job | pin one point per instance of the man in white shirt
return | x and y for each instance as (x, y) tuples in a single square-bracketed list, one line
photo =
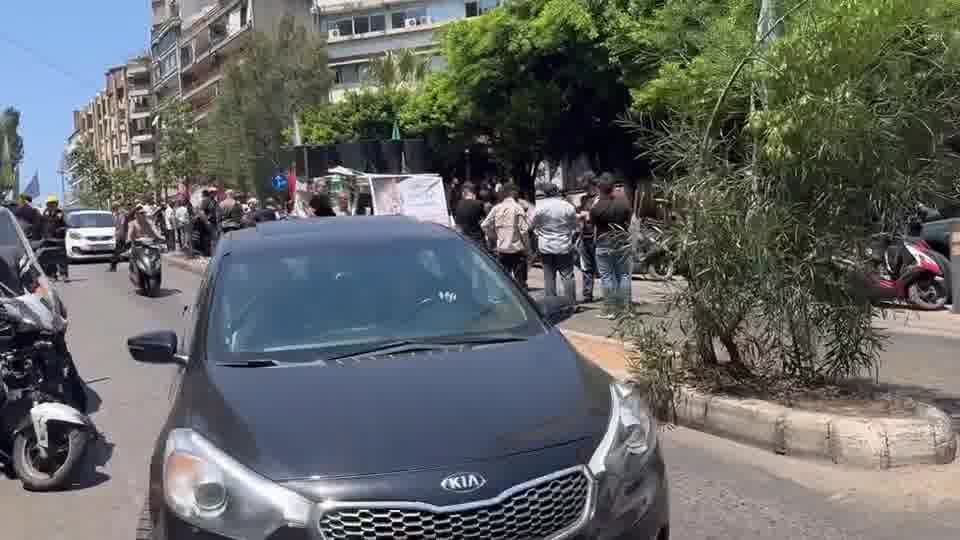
[(555, 224), (170, 226)]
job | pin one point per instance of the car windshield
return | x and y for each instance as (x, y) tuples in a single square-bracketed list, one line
[(298, 304), (89, 219)]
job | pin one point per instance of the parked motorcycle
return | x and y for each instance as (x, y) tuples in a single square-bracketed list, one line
[(145, 267), (906, 272), (652, 256), (44, 432)]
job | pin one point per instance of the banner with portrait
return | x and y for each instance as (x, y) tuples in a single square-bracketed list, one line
[(419, 196)]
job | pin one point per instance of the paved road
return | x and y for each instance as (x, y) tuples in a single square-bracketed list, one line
[(720, 490)]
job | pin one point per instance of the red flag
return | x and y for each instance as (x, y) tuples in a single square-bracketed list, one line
[(292, 182)]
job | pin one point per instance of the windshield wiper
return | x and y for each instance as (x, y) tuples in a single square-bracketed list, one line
[(260, 362), (385, 349), (477, 340)]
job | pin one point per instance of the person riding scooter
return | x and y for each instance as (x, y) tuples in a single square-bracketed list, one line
[(140, 227)]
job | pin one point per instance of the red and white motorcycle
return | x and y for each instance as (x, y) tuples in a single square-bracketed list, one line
[(908, 272)]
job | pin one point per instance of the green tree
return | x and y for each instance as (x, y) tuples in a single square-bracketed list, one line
[(94, 188), (11, 148), (178, 145), (364, 115), (859, 98), (525, 73), (278, 76), (402, 68), (129, 187)]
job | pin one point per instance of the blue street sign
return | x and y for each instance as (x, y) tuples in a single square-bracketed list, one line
[(279, 182)]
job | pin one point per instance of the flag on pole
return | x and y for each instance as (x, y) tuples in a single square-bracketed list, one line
[(33, 188)]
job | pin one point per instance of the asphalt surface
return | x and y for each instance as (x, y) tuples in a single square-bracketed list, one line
[(720, 490)]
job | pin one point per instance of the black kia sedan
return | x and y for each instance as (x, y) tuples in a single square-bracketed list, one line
[(365, 378)]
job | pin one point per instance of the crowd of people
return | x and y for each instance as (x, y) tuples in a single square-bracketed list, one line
[(593, 236), (192, 229), (48, 227)]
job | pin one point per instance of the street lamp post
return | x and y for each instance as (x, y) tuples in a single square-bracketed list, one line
[(467, 164)]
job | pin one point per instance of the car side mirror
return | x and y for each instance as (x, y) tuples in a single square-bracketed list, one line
[(154, 347), (556, 309)]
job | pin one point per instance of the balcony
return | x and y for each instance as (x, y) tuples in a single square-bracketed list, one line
[(363, 36), (142, 136)]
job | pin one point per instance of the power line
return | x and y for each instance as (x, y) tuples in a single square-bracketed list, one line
[(39, 57)]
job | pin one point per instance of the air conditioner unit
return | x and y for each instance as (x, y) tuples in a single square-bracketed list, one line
[(409, 23), (333, 33), (426, 19)]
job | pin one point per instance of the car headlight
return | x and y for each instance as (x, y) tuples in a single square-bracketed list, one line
[(631, 431), (75, 235), (210, 490)]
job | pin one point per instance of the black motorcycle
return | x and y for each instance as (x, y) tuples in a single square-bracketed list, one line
[(145, 268), (44, 431)]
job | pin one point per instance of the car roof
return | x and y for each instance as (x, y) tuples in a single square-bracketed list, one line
[(333, 231), (88, 211)]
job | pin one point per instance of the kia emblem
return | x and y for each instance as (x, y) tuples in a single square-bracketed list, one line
[(463, 482)]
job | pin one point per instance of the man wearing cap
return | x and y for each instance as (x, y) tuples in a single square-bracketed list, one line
[(30, 218), (55, 231)]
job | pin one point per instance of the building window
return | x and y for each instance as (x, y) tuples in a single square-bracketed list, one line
[(350, 73), (378, 22), (361, 25), (479, 7), (186, 55), (345, 26), (398, 19)]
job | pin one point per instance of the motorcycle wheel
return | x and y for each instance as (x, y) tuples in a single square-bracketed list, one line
[(153, 285), (661, 269), (927, 294), (68, 444)]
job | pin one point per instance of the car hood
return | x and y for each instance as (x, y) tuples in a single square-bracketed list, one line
[(400, 413)]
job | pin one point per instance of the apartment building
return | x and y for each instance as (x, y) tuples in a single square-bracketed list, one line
[(103, 121), (192, 41), (140, 114), (360, 30)]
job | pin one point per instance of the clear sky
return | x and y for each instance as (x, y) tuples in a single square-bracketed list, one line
[(53, 56)]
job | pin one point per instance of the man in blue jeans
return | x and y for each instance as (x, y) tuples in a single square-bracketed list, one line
[(610, 216)]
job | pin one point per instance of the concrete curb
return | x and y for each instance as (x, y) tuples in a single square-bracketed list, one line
[(867, 442)]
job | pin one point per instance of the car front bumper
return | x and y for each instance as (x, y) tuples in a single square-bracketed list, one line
[(632, 504), (90, 250)]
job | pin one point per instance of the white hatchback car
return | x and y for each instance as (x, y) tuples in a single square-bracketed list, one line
[(90, 234)]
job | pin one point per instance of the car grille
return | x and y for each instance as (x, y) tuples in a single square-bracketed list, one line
[(537, 511), (99, 238)]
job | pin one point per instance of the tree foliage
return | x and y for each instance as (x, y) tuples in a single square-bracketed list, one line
[(99, 188), (524, 74), (178, 158), (277, 77), (858, 98), (402, 68), (11, 147), (93, 181)]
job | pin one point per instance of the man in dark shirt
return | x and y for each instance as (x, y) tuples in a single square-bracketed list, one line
[(469, 214), (588, 245), (31, 221), (611, 217)]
